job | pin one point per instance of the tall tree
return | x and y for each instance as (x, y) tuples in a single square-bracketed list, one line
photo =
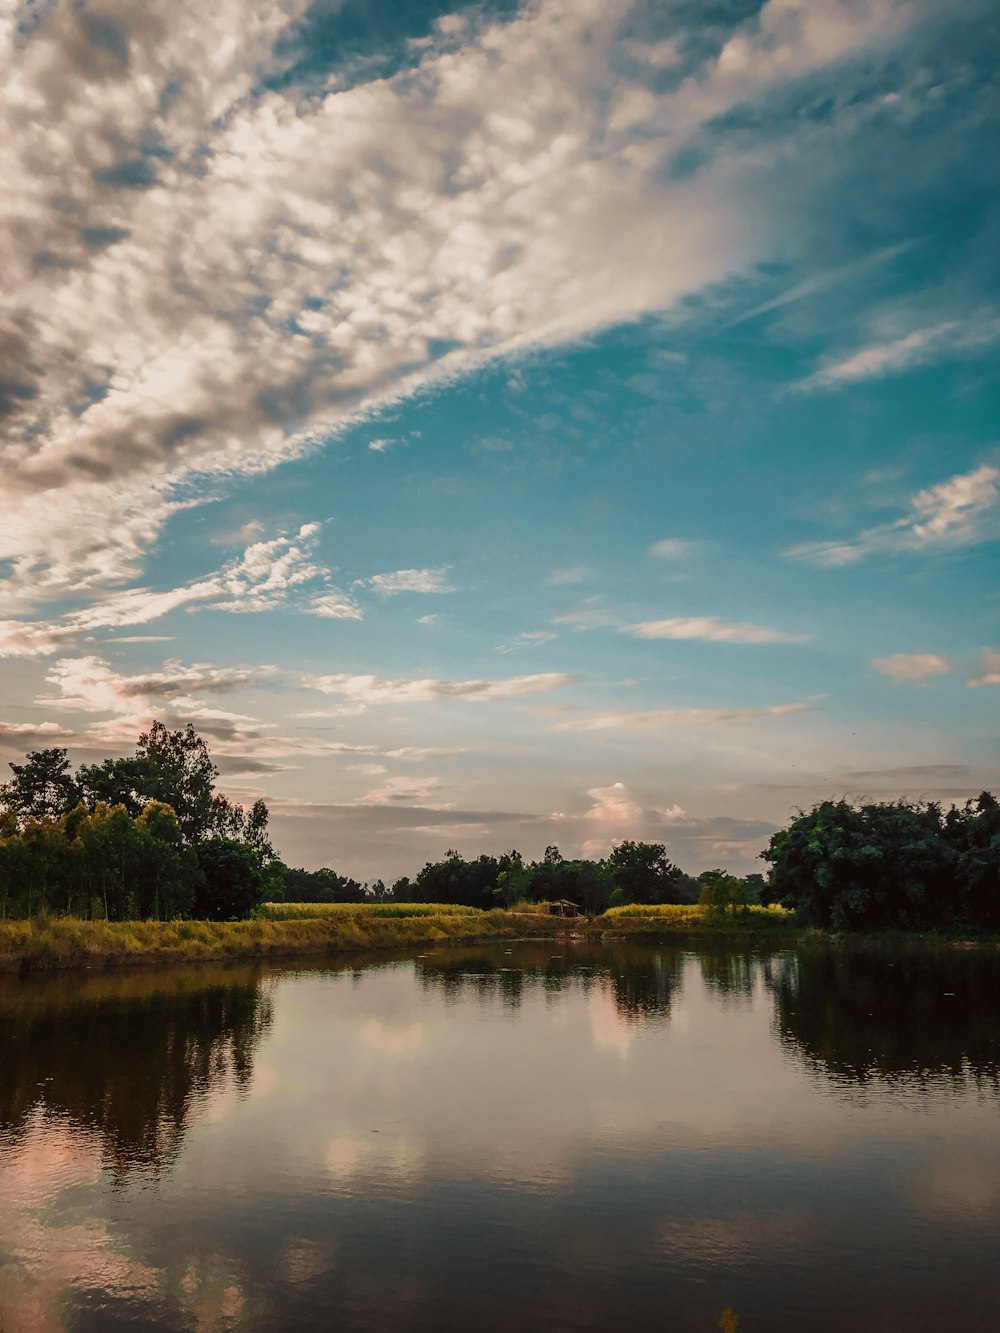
[(176, 768), (645, 874), (42, 787)]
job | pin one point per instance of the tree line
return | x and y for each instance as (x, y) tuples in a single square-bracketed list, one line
[(148, 835), (634, 872), (890, 865), (145, 836)]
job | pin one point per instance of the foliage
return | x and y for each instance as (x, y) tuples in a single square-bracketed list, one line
[(314, 886), (173, 767), (634, 872), (893, 1010), (891, 865), (588, 884), (721, 892), (98, 862), (231, 882), (644, 872), (141, 836), (42, 787), (455, 880)]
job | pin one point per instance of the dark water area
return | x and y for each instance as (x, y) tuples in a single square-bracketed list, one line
[(532, 1136)]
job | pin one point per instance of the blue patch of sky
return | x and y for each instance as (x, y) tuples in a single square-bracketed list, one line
[(520, 473), (360, 40)]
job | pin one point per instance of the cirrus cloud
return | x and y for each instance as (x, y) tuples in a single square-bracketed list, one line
[(711, 630), (364, 691), (211, 268), (961, 511)]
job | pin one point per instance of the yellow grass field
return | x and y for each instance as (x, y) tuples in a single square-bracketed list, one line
[(683, 918), (68, 942)]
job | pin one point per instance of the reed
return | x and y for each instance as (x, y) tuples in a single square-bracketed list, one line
[(379, 911), (45, 943), (695, 918)]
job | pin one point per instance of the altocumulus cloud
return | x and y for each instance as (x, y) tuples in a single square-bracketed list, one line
[(267, 575), (711, 630), (959, 512), (209, 268), (915, 667), (367, 690)]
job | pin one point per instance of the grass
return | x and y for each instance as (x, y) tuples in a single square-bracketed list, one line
[(380, 911), (46, 943), (696, 918)]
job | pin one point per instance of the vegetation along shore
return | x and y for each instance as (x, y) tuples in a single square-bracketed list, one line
[(142, 859)]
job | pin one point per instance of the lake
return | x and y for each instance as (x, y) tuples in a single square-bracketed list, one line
[(537, 1136)]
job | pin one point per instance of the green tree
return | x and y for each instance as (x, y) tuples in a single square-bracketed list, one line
[(176, 768), (168, 869), (470, 883), (870, 867), (645, 874), (124, 781), (42, 787), (721, 891), (231, 881)]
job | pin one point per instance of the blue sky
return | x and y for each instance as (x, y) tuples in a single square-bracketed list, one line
[(502, 425)]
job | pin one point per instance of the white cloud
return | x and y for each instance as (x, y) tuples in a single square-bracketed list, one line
[(675, 548), (409, 580), (913, 666), (18, 638), (711, 629), (668, 719), (614, 814), (959, 512), (91, 685), (418, 754), (232, 268), (820, 282), (29, 733), (988, 669), (916, 348), (371, 690), (175, 695), (569, 575), (405, 791), (528, 639), (335, 606), (263, 578), (140, 638), (591, 614)]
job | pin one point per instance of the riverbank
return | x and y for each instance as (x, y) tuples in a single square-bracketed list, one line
[(303, 930), (45, 944)]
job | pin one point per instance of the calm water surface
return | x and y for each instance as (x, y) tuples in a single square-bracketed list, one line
[(534, 1136)]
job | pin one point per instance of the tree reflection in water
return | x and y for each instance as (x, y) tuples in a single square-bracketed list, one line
[(730, 975), (642, 983), (913, 1016), (128, 1055)]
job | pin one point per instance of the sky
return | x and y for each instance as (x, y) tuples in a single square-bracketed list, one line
[(511, 424)]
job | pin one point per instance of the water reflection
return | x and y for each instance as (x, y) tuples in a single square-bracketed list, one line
[(730, 974), (555, 1137), (643, 983), (903, 1016), (127, 1056)]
